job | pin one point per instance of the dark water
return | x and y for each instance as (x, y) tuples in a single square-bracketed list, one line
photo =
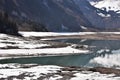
[(75, 60)]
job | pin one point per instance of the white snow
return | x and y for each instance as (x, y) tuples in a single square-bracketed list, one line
[(56, 77), (83, 40), (83, 27), (28, 47), (43, 34), (53, 51), (2, 45), (108, 60), (103, 15), (108, 4), (39, 71), (23, 45), (31, 46), (93, 76), (7, 41)]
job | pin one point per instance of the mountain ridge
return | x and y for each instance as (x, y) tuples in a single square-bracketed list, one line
[(57, 16), (63, 15)]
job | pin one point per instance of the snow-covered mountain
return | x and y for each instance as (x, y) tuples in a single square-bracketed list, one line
[(66, 15), (103, 19), (107, 5)]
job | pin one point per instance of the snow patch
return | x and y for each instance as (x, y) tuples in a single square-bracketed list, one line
[(43, 34), (10, 41), (14, 46), (38, 71), (83, 27), (93, 76), (109, 5), (48, 51), (103, 15)]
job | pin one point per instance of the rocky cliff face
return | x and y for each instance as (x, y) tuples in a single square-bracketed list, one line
[(108, 14)]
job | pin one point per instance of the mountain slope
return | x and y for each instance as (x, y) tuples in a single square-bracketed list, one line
[(64, 15), (57, 15), (7, 24), (10, 25), (105, 20)]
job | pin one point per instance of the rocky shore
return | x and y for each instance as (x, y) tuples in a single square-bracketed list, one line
[(12, 46), (51, 72)]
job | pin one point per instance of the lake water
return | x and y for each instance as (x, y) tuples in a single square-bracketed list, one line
[(105, 53)]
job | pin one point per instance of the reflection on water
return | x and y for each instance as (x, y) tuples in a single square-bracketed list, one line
[(71, 60), (112, 60), (104, 54), (100, 44)]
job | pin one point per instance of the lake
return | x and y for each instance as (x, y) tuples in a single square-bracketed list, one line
[(105, 53)]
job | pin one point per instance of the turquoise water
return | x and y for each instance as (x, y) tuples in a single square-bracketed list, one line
[(76, 60), (71, 60)]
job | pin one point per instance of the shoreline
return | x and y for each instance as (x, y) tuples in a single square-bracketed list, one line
[(41, 55), (73, 35), (41, 52), (26, 46)]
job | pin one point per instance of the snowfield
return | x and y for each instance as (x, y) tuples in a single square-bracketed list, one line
[(17, 46), (48, 72), (28, 73), (27, 46), (47, 51)]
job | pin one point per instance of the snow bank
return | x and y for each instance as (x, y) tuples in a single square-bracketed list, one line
[(36, 71), (48, 72), (93, 76), (47, 51), (12, 41), (15, 46), (43, 34)]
